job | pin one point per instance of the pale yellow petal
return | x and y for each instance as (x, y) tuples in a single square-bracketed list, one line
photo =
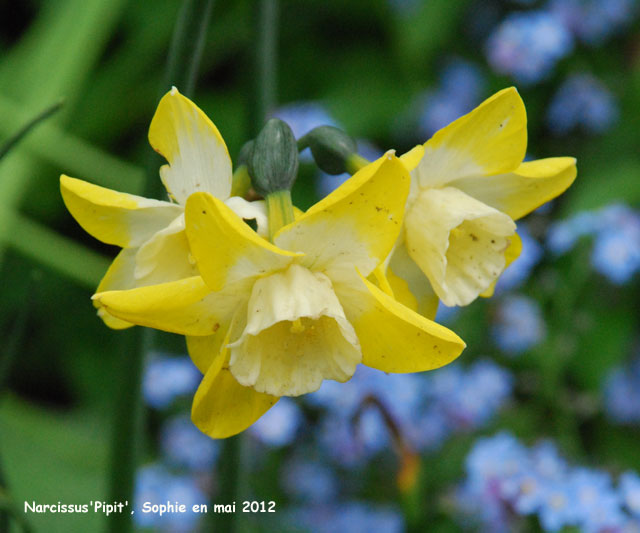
[(189, 141), (458, 243), (224, 247), (410, 286), (296, 335), (491, 139), (357, 224), (187, 306), (512, 253), (114, 217), (394, 338), (256, 210), (165, 256), (518, 193)]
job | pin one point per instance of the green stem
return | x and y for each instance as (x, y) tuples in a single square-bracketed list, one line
[(267, 55), (12, 345), (355, 163), (128, 426), (182, 69), (228, 475), (241, 181), (17, 137), (279, 211), (187, 45)]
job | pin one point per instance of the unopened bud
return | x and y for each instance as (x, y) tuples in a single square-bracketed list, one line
[(331, 148), (273, 163)]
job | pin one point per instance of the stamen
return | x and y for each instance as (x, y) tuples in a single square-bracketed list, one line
[(297, 326)]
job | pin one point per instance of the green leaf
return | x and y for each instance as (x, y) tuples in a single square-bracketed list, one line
[(51, 457)]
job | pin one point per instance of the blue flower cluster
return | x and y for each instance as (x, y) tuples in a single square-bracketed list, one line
[(527, 46), (167, 378), (423, 409), (279, 425), (461, 87), (302, 117), (184, 446), (616, 232), (518, 325), (309, 481), (622, 393), (518, 271), (506, 480), (582, 101), (354, 517), (155, 485), (594, 21)]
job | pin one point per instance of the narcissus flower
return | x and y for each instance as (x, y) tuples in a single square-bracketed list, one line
[(468, 185), (151, 232), (266, 320)]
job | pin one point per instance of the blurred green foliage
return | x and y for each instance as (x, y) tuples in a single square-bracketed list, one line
[(366, 62)]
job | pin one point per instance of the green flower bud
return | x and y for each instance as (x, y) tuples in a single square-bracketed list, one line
[(273, 164), (331, 148), (244, 157)]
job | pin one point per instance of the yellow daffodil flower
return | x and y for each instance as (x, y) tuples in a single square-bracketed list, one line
[(468, 185), (151, 232), (266, 320)]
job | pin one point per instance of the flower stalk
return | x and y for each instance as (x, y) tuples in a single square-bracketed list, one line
[(355, 162), (279, 211)]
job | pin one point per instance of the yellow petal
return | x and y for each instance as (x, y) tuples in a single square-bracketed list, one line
[(410, 286), (413, 157), (491, 139), (119, 276), (512, 253), (113, 322), (379, 278), (357, 224), (224, 247), (114, 217), (223, 408), (204, 350), (458, 242), (518, 193), (212, 349), (394, 338), (296, 335), (187, 306), (197, 155)]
